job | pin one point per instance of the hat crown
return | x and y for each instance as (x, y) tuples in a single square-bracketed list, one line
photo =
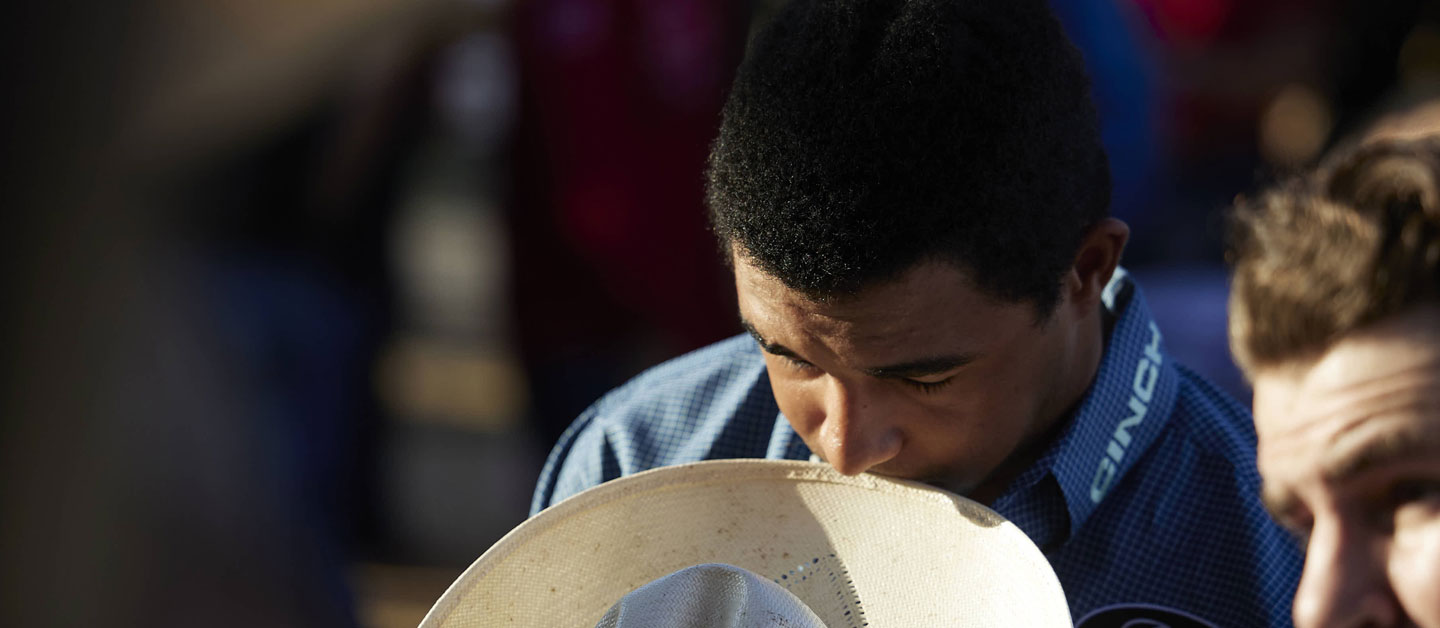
[(711, 595)]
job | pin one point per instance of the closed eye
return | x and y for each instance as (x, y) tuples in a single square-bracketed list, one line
[(1415, 490), (928, 387), (795, 362)]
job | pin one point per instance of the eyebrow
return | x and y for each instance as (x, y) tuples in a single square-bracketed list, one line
[(1280, 503), (1390, 444), (904, 370), (768, 346), (921, 368), (1413, 440)]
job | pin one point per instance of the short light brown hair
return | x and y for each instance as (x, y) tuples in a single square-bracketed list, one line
[(1325, 253)]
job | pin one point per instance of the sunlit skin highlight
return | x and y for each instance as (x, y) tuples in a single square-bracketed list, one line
[(1350, 452), (927, 377)]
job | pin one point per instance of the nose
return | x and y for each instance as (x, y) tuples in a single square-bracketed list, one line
[(856, 433), (1344, 583)]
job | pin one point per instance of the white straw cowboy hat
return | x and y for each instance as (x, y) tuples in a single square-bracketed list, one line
[(858, 551)]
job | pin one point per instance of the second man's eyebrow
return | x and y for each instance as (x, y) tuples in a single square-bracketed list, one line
[(1281, 504), (916, 368), (1406, 440)]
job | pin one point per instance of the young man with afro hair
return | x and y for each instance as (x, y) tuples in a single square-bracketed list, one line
[(914, 200)]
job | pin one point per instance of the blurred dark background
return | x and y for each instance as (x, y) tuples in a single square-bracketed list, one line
[(297, 294)]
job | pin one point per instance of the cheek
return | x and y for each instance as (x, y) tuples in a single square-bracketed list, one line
[(1026, 377), (1414, 570), (800, 401), (1002, 399)]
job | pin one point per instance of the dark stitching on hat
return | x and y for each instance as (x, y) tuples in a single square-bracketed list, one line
[(853, 610)]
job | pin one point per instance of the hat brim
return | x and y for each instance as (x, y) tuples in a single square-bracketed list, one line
[(863, 550)]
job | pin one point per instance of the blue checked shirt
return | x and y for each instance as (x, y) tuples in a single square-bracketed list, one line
[(1148, 498)]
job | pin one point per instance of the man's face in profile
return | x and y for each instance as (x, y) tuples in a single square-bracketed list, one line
[(1350, 454), (924, 377)]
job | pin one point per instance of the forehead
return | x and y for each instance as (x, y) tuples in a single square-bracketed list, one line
[(929, 299), (1379, 383)]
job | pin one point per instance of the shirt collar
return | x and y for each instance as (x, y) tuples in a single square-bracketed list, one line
[(1124, 411)]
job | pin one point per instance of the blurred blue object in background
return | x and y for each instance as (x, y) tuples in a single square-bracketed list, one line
[(1124, 66)]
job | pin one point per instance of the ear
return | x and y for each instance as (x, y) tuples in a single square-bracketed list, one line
[(1095, 262)]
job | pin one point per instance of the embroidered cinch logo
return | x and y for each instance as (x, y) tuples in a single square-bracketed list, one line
[(1142, 389)]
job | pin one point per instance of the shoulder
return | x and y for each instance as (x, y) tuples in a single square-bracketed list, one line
[(697, 379), (1208, 448), (1213, 422), (714, 402), (1219, 556)]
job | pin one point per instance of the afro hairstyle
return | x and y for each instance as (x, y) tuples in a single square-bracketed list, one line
[(863, 137)]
